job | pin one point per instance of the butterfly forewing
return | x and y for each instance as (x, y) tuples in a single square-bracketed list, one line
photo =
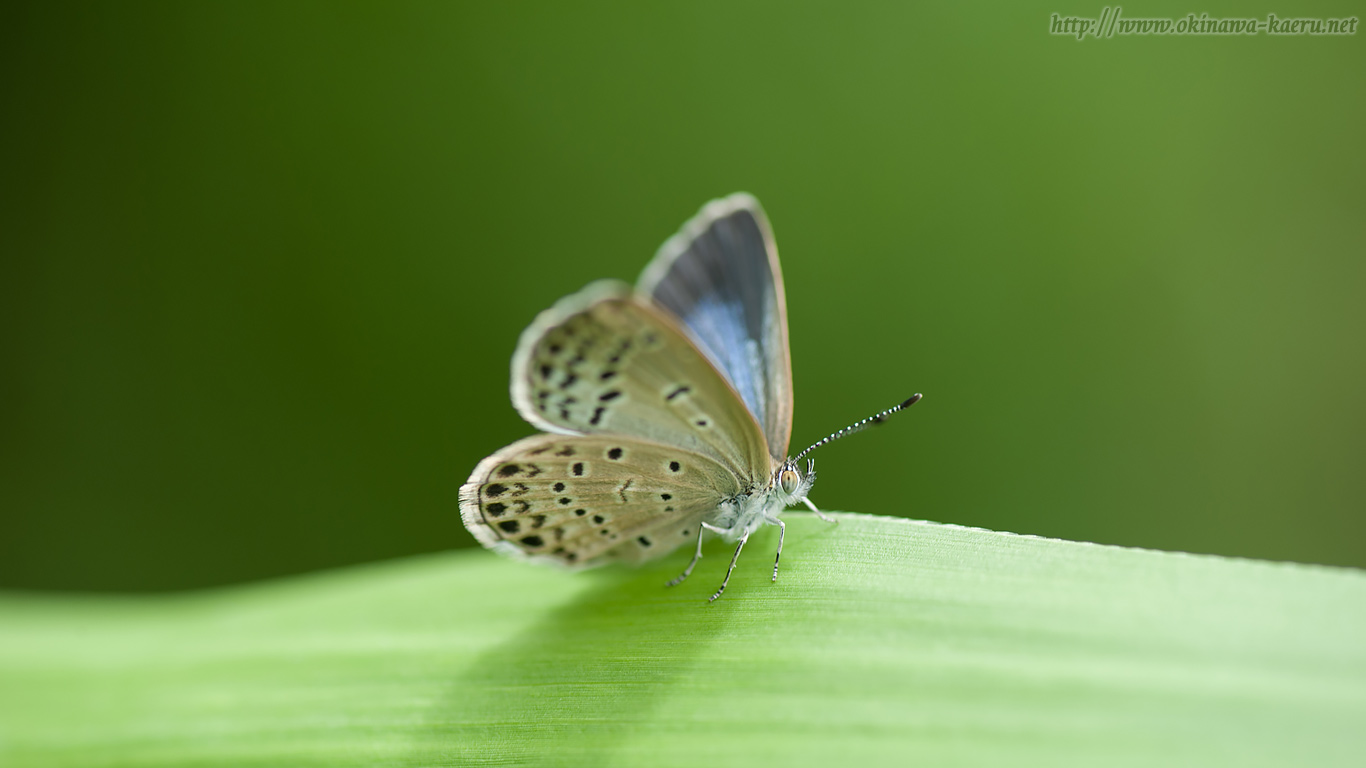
[(603, 361), (719, 275), (585, 500)]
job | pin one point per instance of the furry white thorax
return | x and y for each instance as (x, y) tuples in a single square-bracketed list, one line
[(745, 513)]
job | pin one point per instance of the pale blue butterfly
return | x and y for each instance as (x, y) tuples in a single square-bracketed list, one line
[(671, 405)]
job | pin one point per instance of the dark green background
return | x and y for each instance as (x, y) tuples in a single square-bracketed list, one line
[(265, 264)]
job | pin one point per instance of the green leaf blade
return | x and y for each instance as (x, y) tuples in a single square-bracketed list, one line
[(884, 642)]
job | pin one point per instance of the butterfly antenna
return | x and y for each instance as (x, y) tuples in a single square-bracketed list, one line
[(862, 425)]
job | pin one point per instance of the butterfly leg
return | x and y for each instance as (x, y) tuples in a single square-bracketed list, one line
[(819, 514), (726, 580), (782, 533), (701, 529)]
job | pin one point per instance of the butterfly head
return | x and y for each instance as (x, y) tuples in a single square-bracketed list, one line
[(791, 482)]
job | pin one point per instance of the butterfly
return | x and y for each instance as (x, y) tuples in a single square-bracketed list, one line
[(667, 409)]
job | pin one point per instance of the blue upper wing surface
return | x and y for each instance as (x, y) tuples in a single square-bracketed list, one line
[(720, 276)]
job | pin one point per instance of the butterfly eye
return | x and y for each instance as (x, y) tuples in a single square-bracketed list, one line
[(789, 480)]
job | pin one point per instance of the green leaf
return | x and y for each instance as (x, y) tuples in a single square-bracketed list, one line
[(884, 642)]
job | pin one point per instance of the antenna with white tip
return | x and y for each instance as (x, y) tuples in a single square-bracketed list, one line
[(860, 426)]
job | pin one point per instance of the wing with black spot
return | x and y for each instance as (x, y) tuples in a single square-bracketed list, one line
[(720, 276), (605, 361), (587, 500)]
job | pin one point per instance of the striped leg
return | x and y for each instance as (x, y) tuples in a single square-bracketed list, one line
[(782, 534), (726, 580)]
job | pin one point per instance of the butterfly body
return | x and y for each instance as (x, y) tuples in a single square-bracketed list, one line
[(667, 408), (744, 514)]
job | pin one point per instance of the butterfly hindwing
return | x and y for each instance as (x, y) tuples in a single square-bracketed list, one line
[(604, 361), (720, 277), (586, 500)]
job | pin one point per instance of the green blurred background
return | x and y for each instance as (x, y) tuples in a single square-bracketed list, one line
[(265, 264)]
